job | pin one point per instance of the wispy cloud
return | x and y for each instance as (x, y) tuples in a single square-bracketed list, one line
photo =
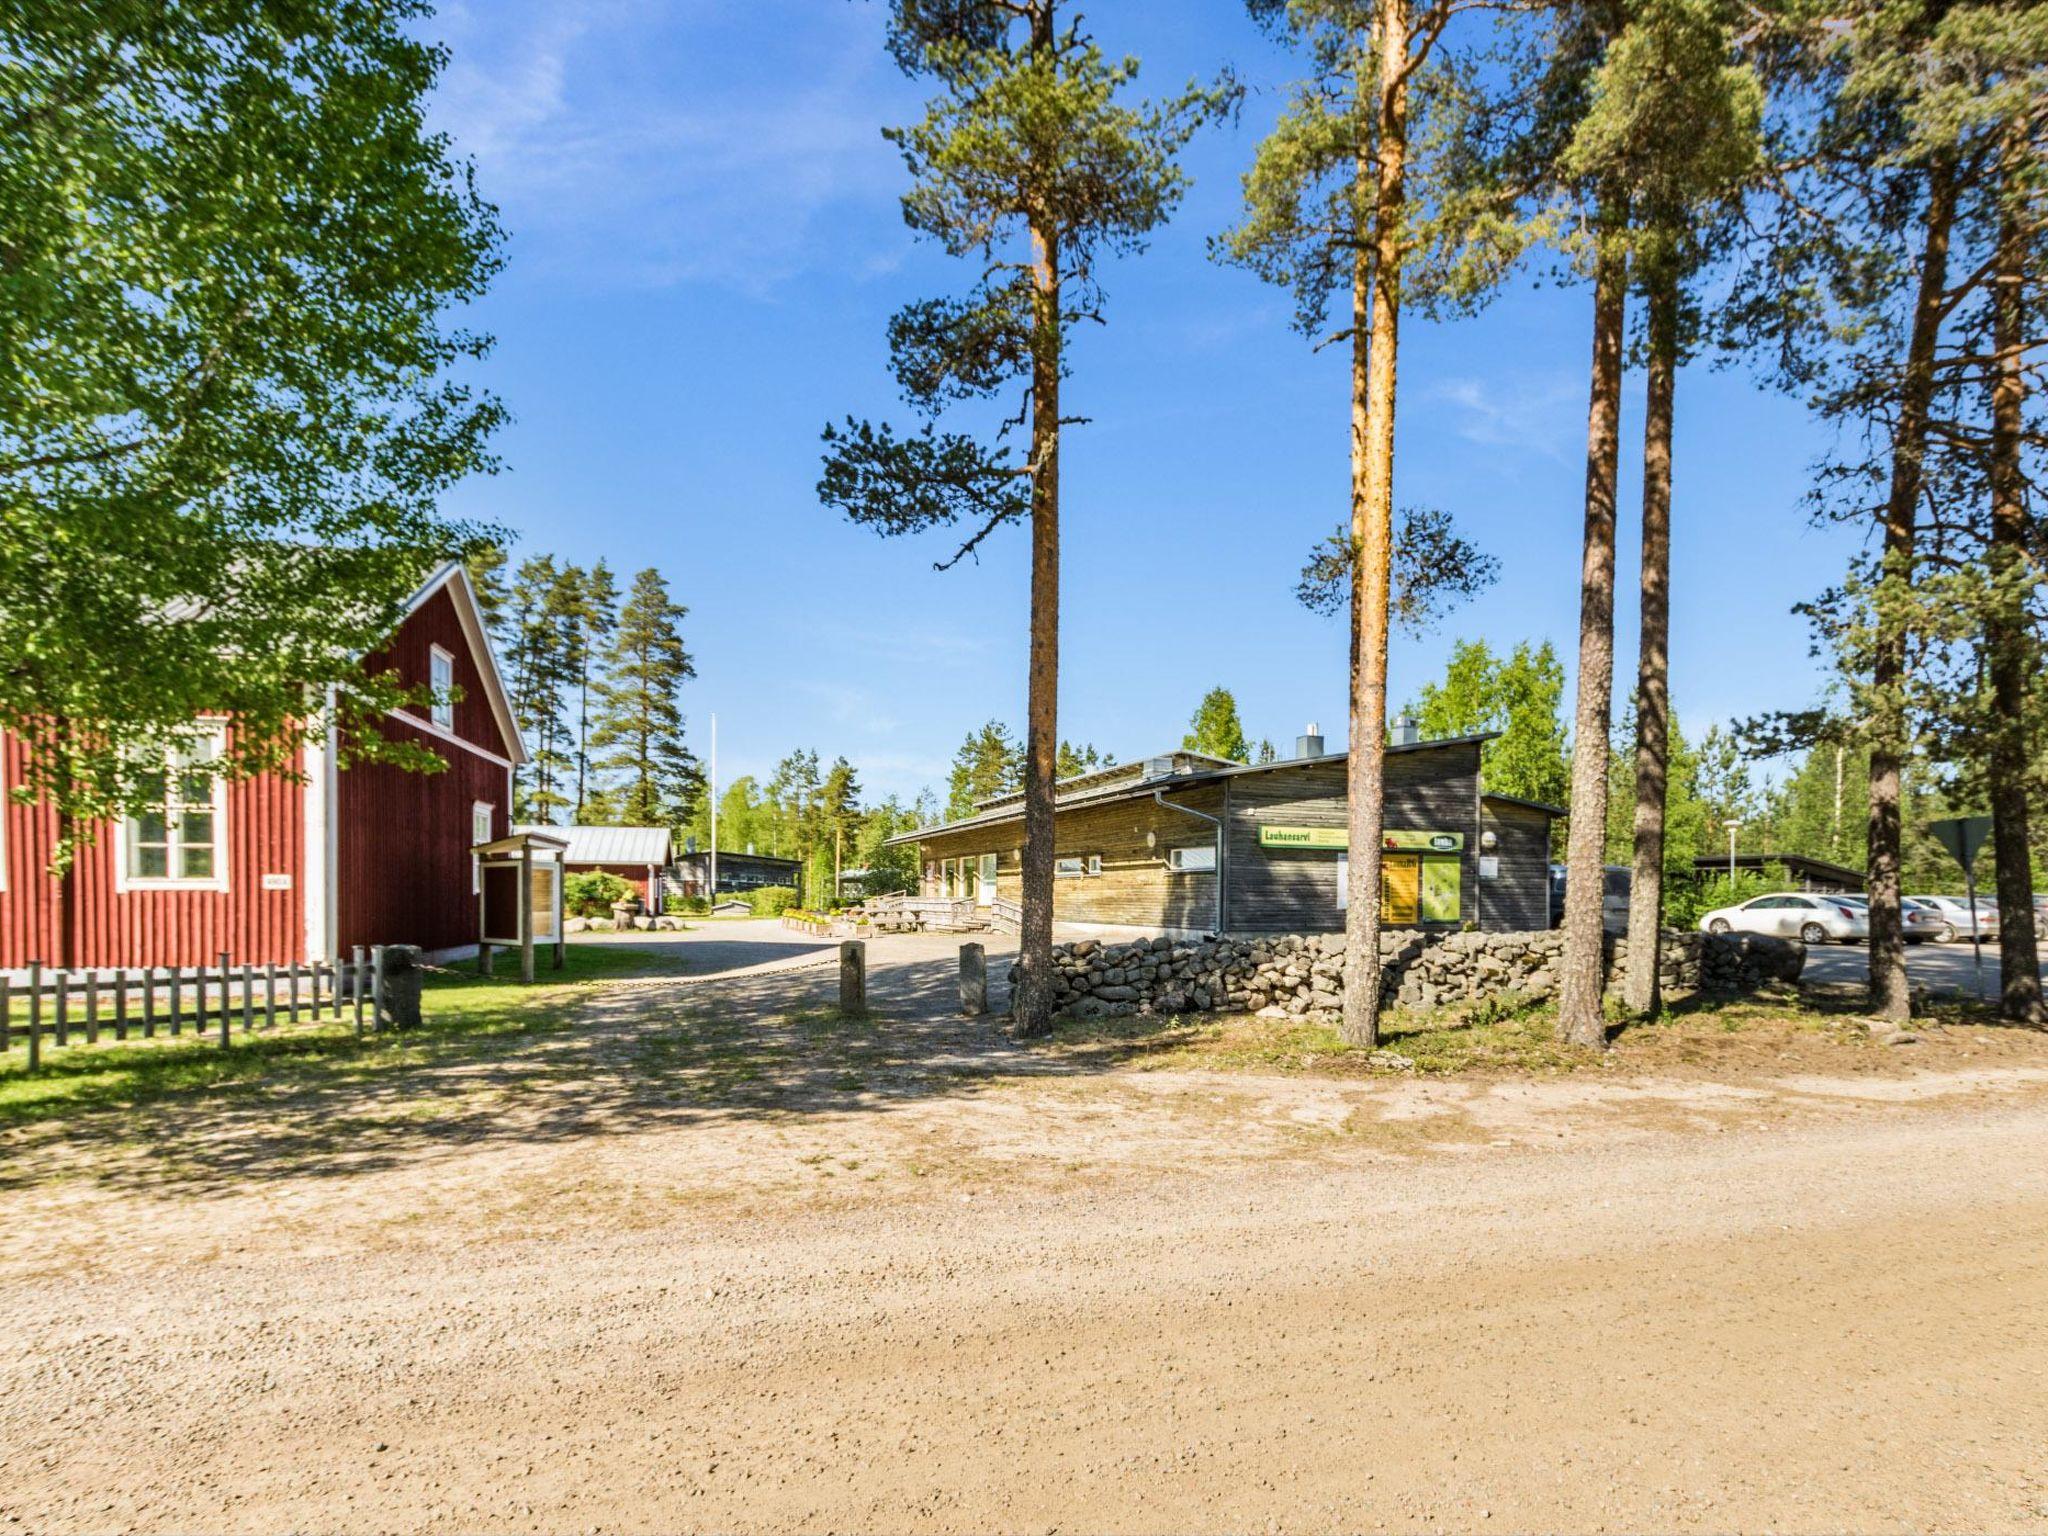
[(621, 151), (1533, 414)]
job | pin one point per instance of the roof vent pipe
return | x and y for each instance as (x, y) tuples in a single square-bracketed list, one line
[(1405, 732), (1310, 742)]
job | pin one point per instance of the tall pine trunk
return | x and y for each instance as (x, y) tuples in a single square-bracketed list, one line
[(1581, 1018), (2007, 637), (1890, 997), (1375, 352), (1653, 664), (1034, 1000)]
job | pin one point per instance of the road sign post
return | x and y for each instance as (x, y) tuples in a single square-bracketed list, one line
[(1963, 836)]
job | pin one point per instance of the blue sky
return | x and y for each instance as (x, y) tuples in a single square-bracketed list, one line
[(705, 249)]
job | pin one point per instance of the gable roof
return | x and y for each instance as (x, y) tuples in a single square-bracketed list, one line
[(454, 577), (608, 845)]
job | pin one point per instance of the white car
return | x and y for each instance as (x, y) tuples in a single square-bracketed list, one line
[(1955, 910), (1812, 919)]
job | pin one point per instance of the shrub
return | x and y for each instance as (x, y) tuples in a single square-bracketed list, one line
[(591, 893), (1687, 901), (772, 900), (675, 904)]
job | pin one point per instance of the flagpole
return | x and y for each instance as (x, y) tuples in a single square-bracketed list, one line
[(713, 892)]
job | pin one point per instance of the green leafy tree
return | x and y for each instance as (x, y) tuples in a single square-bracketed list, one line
[(1519, 695), (988, 763), (1215, 728), (230, 252), (887, 869), (1032, 163), (640, 724)]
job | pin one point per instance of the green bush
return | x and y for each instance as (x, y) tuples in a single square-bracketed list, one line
[(772, 900), (1686, 901), (675, 904), (592, 893)]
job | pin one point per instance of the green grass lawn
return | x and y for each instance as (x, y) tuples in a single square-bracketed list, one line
[(460, 1010)]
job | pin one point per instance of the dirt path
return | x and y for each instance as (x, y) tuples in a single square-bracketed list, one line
[(1155, 1301)]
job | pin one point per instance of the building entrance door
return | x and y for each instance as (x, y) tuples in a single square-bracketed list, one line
[(985, 887)]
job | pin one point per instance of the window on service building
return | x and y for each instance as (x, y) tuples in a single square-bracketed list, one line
[(441, 675), (1072, 866), (180, 839), (1192, 859)]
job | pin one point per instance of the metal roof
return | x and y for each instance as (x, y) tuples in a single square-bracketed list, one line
[(1143, 788), (608, 845)]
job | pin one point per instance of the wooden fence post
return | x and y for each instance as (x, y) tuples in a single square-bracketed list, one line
[(35, 1015), (6, 1015), (292, 997), (120, 1005), (360, 985), (973, 980), (853, 979), (226, 992), (177, 978), (270, 995), (63, 1007), (149, 1002), (377, 987), (92, 1007), (248, 997)]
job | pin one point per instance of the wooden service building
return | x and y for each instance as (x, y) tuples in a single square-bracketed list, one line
[(1185, 844)]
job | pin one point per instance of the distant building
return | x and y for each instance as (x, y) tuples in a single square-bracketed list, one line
[(1794, 870), (736, 872), (638, 854), (1185, 843)]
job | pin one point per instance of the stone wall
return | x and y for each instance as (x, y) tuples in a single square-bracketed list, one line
[(1302, 974)]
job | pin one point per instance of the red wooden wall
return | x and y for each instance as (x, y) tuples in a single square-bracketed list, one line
[(637, 873), (157, 927), (403, 872)]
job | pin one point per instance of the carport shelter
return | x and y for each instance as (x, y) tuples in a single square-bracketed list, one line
[(1186, 844)]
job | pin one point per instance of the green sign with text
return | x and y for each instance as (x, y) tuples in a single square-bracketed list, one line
[(1337, 840)]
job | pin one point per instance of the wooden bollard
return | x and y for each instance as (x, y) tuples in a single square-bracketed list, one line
[(853, 979), (973, 980)]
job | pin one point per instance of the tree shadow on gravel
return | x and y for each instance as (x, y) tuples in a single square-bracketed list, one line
[(550, 1064)]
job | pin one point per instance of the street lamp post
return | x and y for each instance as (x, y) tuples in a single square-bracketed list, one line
[(1732, 825)]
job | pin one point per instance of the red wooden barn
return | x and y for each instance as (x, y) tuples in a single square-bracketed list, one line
[(272, 869)]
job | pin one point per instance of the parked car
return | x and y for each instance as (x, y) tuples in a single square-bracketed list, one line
[(1921, 924), (1813, 919), (1614, 893), (1955, 911)]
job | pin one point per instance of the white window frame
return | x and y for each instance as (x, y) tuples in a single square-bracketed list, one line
[(215, 731), (442, 710), (1176, 859), (1083, 864), (476, 863)]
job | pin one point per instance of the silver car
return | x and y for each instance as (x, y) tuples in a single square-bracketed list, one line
[(1812, 919), (1955, 911), (1918, 922)]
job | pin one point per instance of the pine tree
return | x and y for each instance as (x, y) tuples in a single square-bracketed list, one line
[(839, 809), (594, 621), (1075, 760), (539, 674), (1030, 163), (640, 712), (988, 763), (1215, 728)]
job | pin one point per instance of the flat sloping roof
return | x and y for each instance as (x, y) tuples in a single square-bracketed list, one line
[(1140, 788), (608, 845)]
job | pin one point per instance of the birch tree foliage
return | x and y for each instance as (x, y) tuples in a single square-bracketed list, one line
[(229, 250)]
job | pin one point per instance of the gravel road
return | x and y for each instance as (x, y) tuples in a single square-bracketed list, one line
[(1144, 1301)]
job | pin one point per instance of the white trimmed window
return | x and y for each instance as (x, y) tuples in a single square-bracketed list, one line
[(1191, 860), (441, 677), (1072, 866), (479, 832), (181, 840)]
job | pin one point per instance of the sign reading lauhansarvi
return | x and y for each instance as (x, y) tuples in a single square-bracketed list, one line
[(1339, 840)]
